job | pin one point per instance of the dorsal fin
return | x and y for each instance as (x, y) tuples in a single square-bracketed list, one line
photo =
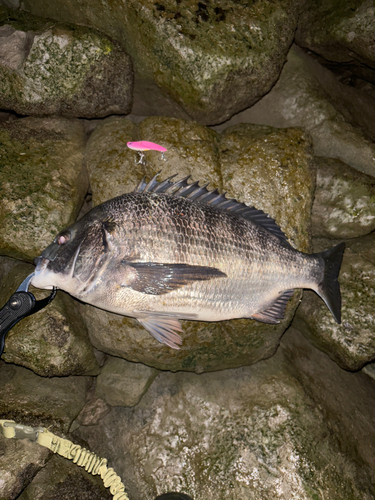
[(194, 192)]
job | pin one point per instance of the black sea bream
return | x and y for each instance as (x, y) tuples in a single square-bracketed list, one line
[(173, 250)]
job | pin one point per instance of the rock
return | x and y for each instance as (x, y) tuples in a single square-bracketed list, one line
[(238, 164), (212, 60), (53, 342), (48, 68), (344, 204), (62, 479), (40, 402), (345, 398), (20, 460), (193, 52), (351, 344), (341, 32), (369, 370), (121, 383), (42, 182), (309, 96), (246, 433), (113, 167)]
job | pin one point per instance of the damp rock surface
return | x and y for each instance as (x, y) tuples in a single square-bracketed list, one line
[(245, 433), (308, 95), (38, 401), (53, 342), (20, 460), (352, 343), (48, 68), (344, 203), (122, 383), (62, 479), (42, 182)]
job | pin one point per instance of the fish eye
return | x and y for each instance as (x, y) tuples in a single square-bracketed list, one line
[(63, 238)]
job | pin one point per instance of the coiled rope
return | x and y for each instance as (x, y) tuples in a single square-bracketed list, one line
[(65, 448)]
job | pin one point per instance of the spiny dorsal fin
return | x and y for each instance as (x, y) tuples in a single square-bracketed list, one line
[(201, 194)]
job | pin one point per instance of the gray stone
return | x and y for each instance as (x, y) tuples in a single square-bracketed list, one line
[(344, 203), (42, 182), (62, 479), (38, 401), (255, 164), (339, 31), (345, 398), (48, 68), (248, 433), (309, 96), (53, 342), (212, 60), (20, 460), (369, 370), (122, 383), (351, 344)]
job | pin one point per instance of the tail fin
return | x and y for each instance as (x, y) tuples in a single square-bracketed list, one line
[(329, 289)]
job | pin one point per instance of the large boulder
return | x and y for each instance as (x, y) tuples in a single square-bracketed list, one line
[(248, 433), (48, 68), (42, 182), (338, 117), (192, 59)]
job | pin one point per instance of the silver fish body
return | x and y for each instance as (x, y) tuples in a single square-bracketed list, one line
[(171, 251)]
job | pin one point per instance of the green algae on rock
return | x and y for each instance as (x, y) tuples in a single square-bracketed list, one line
[(52, 343), (42, 182), (47, 68), (351, 344), (344, 204), (246, 433), (308, 95)]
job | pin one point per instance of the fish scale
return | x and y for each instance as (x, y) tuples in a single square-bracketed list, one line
[(173, 250)]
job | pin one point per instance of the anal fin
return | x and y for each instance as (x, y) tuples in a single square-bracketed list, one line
[(163, 328), (275, 313)]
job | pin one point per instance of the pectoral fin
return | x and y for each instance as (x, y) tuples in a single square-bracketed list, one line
[(163, 328), (275, 313), (157, 279)]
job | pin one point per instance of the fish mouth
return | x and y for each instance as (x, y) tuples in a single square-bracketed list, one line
[(40, 263)]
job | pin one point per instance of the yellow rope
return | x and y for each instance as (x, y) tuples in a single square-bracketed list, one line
[(80, 456)]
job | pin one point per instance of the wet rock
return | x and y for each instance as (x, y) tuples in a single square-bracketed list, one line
[(121, 383), (38, 401), (62, 479), (245, 433), (341, 32), (271, 169), (53, 342), (309, 96), (212, 60), (351, 344), (345, 398), (19, 462), (344, 204), (42, 182), (238, 164), (114, 169), (48, 68)]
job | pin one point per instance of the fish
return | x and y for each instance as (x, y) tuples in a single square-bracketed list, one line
[(174, 250), (146, 146)]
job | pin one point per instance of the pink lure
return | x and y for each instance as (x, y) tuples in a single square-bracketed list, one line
[(145, 146)]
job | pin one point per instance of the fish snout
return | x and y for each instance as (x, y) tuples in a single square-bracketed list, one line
[(40, 263)]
